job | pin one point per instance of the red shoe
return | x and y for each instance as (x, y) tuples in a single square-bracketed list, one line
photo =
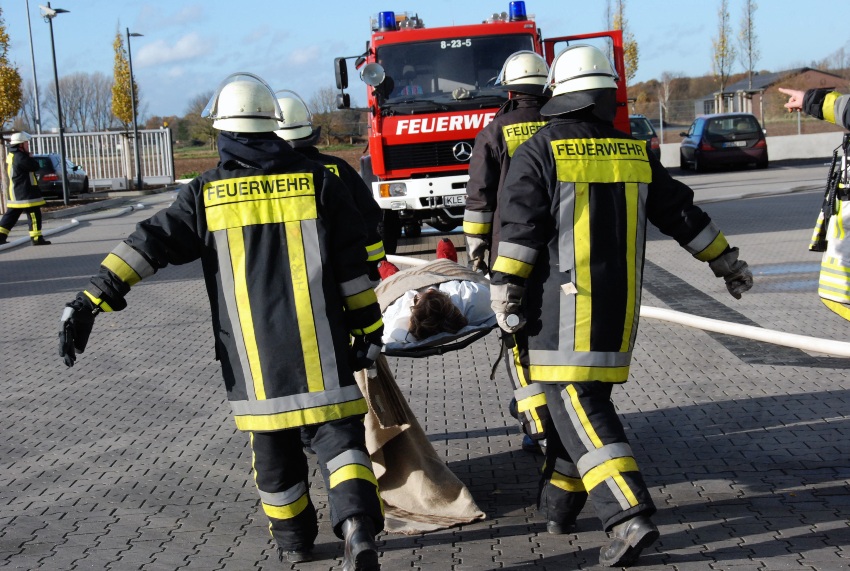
[(446, 249), (386, 269)]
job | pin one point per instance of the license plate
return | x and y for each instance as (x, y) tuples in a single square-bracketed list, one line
[(735, 144), (454, 200)]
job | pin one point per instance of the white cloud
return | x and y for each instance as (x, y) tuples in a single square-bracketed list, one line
[(308, 55), (161, 52)]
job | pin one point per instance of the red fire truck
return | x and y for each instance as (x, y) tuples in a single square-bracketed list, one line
[(430, 91)]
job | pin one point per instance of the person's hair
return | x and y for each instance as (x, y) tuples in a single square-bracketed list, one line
[(433, 312)]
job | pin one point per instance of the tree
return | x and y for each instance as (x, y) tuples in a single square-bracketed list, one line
[(630, 47), (86, 102), (322, 106), (123, 86), (665, 88), (200, 128), (748, 40), (724, 51), (10, 80)]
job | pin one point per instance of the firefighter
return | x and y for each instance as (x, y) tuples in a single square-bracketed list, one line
[(283, 255), (297, 129), (523, 75), (24, 195), (567, 285)]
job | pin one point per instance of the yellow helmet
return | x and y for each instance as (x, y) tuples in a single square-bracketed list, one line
[(297, 119), (244, 103), (581, 67)]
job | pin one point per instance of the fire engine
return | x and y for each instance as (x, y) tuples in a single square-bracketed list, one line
[(429, 92)]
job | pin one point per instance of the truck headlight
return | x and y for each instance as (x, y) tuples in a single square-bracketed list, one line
[(391, 189)]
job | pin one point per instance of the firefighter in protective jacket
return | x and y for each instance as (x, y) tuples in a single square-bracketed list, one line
[(24, 194), (567, 283), (523, 75), (283, 256)]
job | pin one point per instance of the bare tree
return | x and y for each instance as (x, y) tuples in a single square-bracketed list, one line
[(748, 40), (198, 127), (322, 105), (724, 51), (665, 88)]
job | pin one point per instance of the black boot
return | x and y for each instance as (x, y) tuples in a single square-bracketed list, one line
[(361, 553), (629, 539), (40, 241), (3, 238), (295, 555)]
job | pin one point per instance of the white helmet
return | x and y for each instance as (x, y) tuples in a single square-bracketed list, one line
[(18, 138), (525, 67), (297, 121), (244, 103), (581, 67)]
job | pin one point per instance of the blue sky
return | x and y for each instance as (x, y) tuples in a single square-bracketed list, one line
[(189, 47)]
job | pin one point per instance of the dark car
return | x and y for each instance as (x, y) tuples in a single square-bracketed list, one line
[(49, 176), (642, 129), (723, 140)]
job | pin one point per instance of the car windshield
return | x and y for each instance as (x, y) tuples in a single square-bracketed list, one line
[(722, 127), (428, 72), (641, 128), (44, 163)]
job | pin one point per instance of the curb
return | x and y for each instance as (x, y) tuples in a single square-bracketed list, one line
[(100, 205)]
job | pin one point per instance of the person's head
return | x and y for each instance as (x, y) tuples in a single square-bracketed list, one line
[(244, 103), (297, 120), (408, 73), (582, 77), (524, 72), (433, 312), (20, 139)]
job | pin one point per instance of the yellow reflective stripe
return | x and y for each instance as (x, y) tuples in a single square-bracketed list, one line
[(582, 416), (296, 418), (286, 512), (531, 402), (838, 308), (520, 371), (611, 469), (121, 269), (513, 267), (564, 373), (566, 483), (352, 472), (375, 251), (333, 168), (601, 160), (360, 300), (236, 245), (4, 231), (369, 329), (477, 227), (717, 247), (632, 193), (624, 487), (581, 244), (518, 133), (829, 106), (304, 307), (98, 302), (838, 231), (269, 199)]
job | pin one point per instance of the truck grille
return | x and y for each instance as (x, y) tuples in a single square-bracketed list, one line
[(423, 155)]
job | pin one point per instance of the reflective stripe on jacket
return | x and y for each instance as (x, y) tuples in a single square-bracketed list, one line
[(828, 105), (23, 186)]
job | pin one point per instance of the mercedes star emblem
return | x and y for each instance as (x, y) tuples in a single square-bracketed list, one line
[(462, 151)]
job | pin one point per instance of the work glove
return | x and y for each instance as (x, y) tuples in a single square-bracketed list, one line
[(365, 349), (736, 272), (476, 251), (506, 302), (76, 324)]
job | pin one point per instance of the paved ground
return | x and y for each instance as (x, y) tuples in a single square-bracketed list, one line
[(130, 460)]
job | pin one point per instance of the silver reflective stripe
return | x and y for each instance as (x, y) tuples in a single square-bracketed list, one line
[(479, 217), (283, 498), (840, 106), (324, 337), (134, 259), (355, 286), (578, 359), (347, 458), (228, 292), (618, 494), (574, 418), (292, 403), (599, 456), (518, 252), (566, 220), (703, 239), (528, 391), (375, 251)]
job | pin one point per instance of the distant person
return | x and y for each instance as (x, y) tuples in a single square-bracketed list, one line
[(408, 87), (24, 194), (825, 104)]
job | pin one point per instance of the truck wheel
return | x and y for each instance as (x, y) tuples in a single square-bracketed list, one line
[(390, 231), (413, 229)]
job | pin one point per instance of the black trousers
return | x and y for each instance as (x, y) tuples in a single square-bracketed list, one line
[(281, 472), (10, 218), (588, 455)]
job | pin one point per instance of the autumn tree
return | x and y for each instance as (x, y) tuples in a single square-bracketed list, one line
[(724, 50), (123, 87), (10, 80), (630, 47), (197, 127), (748, 40)]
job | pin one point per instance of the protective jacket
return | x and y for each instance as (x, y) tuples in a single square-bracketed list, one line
[(517, 120), (23, 187), (363, 200), (828, 105), (283, 254), (573, 210)]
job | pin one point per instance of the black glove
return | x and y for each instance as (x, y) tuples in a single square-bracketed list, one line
[(365, 349), (76, 325)]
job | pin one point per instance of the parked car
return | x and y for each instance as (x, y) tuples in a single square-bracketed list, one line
[(643, 129), (723, 140), (49, 176)]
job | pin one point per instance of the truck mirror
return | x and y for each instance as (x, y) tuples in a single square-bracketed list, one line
[(373, 74), (341, 73), (343, 101)]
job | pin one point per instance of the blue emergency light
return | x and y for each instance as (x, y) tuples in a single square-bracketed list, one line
[(386, 21), (517, 12)]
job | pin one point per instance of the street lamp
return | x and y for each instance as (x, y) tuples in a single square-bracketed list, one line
[(34, 78), (133, 102), (50, 13)]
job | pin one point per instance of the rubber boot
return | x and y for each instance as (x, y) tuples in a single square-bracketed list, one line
[(40, 241), (629, 539), (2, 238), (295, 555), (361, 553)]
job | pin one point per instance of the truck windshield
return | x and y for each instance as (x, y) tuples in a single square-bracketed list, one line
[(431, 71)]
